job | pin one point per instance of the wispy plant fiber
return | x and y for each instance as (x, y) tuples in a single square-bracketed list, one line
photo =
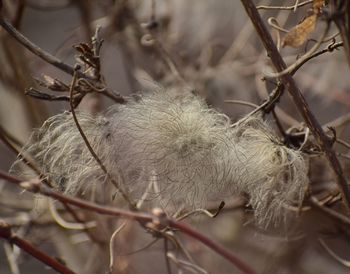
[(189, 152)]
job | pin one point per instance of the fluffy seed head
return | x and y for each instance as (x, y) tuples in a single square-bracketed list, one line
[(274, 175), (178, 140), (176, 149), (60, 152)]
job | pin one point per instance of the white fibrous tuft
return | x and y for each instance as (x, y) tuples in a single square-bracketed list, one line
[(60, 152), (274, 175), (178, 140), (176, 149)]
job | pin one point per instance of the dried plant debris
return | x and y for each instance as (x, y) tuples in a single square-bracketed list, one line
[(176, 148), (298, 34), (317, 5)]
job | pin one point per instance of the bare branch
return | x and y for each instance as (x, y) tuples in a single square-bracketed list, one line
[(6, 233), (298, 98), (37, 50), (330, 48), (155, 220)]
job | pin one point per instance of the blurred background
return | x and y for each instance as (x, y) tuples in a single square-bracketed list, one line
[(207, 46)]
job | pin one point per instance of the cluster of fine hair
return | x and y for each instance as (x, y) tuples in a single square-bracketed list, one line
[(61, 154), (176, 150)]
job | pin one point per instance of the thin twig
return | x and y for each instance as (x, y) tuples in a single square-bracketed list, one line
[(11, 258), (10, 137), (296, 5), (52, 59), (166, 250), (44, 96), (338, 122), (88, 145), (264, 7), (152, 39), (37, 50), (19, 13), (331, 213), (6, 233), (203, 211), (272, 21), (78, 219), (140, 249), (330, 199), (182, 264), (111, 245), (212, 244), (4, 136), (330, 48), (36, 186), (333, 254), (267, 105), (347, 157), (241, 102), (339, 13), (302, 60), (343, 143), (298, 98), (68, 225)]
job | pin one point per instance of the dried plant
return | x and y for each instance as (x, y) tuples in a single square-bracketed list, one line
[(118, 173), (190, 152), (271, 173), (59, 150)]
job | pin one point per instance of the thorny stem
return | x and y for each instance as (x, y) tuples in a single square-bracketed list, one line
[(298, 98), (158, 221), (88, 145), (6, 233)]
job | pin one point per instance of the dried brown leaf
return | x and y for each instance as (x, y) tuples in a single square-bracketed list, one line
[(317, 5), (297, 35)]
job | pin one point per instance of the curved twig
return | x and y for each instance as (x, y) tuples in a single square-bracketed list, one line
[(302, 60), (111, 245), (68, 225), (264, 7), (330, 48), (333, 254)]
